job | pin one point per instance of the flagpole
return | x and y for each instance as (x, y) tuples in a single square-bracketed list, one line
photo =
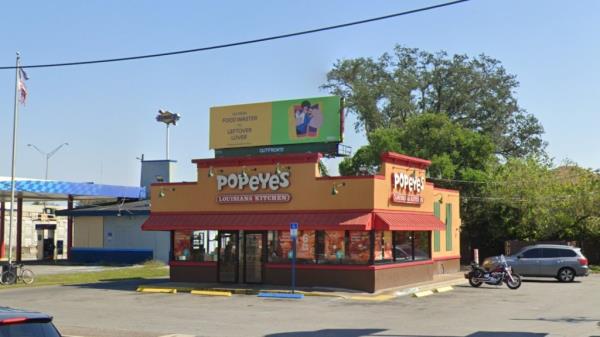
[(14, 150)]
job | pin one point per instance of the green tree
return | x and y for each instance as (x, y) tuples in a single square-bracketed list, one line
[(453, 150), (476, 93), (539, 202)]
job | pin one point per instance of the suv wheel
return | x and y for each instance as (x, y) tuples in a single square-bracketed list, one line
[(566, 275)]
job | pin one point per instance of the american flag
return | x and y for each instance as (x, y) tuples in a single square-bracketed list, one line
[(22, 88)]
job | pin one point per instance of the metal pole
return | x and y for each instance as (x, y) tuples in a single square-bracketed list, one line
[(47, 160), (293, 264), (167, 141), (14, 153)]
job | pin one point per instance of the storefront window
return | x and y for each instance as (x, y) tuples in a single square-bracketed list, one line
[(412, 246), (359, 245), (305, 247), (403, 246), (383, 246), (334, 250), (280, 246), (422, 245), (197, 246)]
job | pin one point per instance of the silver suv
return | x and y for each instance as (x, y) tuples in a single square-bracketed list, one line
[(561, 262), (17, 323)]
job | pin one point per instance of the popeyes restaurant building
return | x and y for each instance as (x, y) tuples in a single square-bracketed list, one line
[(368, 233)]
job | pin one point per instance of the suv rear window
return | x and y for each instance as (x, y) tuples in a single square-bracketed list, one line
[(557, 252), (28, 330)]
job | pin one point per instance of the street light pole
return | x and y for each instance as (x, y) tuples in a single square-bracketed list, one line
[(47, 155), (168, 118)]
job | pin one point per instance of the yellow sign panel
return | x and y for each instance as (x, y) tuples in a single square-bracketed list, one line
[(240, 125)]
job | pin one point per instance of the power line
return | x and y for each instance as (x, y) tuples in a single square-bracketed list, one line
[(240, 43)]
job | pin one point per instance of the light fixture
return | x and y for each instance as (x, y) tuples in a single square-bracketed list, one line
[(334, 189), (211, 172), (159, 178), (244, 173), (162, 194), (441, 200), (279, 169)]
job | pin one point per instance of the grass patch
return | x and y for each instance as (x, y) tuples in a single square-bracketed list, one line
[(112, 275), (595, 269)]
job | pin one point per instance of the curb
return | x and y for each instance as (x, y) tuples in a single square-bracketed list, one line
[(376, 298), (443, 289), (236, 291), (157, 290), (423, 293), (211, 293)]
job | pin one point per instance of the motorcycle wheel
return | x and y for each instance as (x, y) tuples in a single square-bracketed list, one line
[(474, 282), (516, 281)]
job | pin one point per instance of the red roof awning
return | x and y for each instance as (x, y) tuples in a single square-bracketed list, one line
[(258, 221), (406, 221)]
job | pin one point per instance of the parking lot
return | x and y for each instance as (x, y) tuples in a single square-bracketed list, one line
[(541, 308)]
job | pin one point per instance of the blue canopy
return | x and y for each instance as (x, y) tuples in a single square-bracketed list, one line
[(61, 190)]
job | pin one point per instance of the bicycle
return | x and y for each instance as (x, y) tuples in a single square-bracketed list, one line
[(16, 272)]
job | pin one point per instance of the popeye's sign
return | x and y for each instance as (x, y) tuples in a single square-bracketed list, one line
[(406, 188), (268, 181)]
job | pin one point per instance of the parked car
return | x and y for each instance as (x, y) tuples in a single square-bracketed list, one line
[(17, 323), (561, 262)]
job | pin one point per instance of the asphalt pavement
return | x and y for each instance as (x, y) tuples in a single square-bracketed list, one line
[(540, 308)]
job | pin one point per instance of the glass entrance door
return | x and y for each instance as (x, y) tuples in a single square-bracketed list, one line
[(228, 257), (254, 256)]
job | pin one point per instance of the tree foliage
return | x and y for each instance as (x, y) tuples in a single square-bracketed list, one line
[(476, 93), (452, 149), (539, 202), (461, 113)]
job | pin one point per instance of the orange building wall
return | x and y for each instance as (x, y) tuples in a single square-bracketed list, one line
[(310, 192)]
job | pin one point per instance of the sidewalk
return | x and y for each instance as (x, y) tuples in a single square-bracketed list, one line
[(439, 281)]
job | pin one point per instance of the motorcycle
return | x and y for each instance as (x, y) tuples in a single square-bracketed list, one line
[(496, 272)]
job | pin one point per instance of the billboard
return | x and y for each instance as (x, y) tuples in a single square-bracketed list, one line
[(296, 121)]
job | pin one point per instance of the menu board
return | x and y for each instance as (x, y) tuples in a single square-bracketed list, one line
[(359, 246)]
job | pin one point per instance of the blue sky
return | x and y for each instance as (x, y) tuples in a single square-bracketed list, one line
[(106, 111)]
